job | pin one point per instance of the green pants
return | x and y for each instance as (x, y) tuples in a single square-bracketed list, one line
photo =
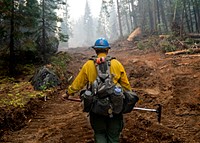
[(106, 129)]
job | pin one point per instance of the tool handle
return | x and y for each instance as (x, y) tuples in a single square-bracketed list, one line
[(73, 99), (144, 109)]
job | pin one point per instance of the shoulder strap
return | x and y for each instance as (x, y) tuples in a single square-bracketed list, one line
[(108, 59), (102, 65)]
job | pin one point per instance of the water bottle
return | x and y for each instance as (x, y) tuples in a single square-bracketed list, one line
[(87, 101), (88, 93), (117, 90)]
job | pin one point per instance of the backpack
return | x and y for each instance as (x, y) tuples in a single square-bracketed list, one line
[(104, 97)]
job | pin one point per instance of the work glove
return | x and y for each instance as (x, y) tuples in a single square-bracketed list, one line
[(65, 96)]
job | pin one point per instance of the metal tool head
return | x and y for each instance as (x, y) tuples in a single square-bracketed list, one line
[(159, 111)]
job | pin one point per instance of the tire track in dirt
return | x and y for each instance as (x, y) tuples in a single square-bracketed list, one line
[(57, 121)]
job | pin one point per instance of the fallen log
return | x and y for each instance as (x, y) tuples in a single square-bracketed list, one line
[(194, 35), (164, 36), (196, 40), (186, 51), (135, 34)]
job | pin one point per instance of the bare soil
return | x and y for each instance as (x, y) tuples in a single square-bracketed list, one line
[(172, 81)]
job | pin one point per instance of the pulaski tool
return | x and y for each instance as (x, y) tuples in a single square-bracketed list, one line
[(158, 110)]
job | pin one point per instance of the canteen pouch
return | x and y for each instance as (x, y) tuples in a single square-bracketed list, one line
[(87, 100), (130, 100), (117, 100)]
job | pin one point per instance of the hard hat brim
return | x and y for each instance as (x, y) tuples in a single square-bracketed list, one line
[(101, 47)]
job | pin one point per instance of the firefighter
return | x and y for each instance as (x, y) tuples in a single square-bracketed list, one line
[(106, 129)]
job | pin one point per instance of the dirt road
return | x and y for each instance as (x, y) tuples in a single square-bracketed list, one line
[(173, 82)]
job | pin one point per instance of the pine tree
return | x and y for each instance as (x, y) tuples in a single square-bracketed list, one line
[(65, 26), (88, 25), (103, 22), (113, 24), (47, 40)]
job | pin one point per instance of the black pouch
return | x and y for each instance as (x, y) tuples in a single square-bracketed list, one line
[(117, 100), (101, 106), (130, 100), (87, 100), (117, 103)]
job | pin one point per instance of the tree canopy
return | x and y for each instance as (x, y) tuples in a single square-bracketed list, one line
[(32, 30)]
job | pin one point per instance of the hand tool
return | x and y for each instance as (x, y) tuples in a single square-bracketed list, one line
[(158, 110)]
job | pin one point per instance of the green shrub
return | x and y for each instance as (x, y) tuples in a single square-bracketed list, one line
[(166, 46)]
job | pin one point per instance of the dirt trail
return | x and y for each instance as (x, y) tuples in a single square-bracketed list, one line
[(52, 120), (173, 82)]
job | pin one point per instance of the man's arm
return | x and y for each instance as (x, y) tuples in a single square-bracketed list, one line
[(120, 75)]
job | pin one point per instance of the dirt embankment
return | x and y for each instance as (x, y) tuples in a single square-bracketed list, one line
[(173, 82)]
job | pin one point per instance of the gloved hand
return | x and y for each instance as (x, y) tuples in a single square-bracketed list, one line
[(65, 96)]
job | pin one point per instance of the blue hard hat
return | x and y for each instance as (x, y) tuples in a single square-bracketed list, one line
[(101, 43)]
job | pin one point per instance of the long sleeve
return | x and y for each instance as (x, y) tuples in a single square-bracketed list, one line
[(86, 75), (120, 75)]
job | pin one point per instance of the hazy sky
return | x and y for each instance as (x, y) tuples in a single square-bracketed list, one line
[(77, 7)]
